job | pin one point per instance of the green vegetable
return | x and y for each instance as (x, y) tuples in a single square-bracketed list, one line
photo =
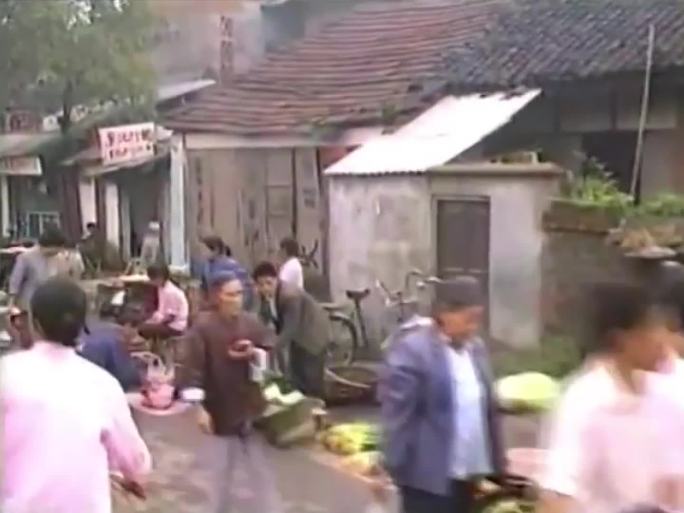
[(529, 391)]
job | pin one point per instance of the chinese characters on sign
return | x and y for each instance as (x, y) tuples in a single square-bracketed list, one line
[(119, 144)]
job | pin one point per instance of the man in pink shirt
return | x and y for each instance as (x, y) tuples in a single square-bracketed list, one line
[(171, 317), (67, 424)]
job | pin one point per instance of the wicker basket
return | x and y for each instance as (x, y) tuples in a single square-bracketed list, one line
[(350, 384)]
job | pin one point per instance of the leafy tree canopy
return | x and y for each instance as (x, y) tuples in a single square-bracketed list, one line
[(57, 54)]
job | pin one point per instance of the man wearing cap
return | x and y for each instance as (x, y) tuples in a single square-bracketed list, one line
[(438, 410)]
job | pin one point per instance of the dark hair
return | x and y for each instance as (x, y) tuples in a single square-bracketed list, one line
[(220, 278), (265, 270), (52, 237), (290, 247), (618, 307), (156, 271), (91, 226), (59, 308), (214, 243), (131, 315)]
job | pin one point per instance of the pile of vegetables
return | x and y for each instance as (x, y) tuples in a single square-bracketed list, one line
[(529, 391), (351, 438), (510, 505)]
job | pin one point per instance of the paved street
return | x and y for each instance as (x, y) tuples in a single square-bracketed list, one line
[(179, 483)]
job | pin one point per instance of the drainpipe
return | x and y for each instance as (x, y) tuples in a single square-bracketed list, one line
[(635, 189)]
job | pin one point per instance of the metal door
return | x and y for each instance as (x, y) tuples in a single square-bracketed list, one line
[(463, 226)]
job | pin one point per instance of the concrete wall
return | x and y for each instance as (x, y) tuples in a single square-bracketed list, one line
[(381, 227)]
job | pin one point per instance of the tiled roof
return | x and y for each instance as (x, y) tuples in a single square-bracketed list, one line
[(363, 68), (538, 41)]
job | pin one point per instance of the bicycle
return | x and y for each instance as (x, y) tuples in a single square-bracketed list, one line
[(344, 332), (349, 333), (407, 301)]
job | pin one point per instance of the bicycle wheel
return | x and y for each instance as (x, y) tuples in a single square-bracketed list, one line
[(343, 341)]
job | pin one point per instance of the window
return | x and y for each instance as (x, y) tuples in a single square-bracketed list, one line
[(37, 221)]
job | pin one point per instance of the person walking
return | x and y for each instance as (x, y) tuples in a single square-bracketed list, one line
[(221, 347), (614, 442), (438, 411), (66, 422), (302, 327), (291, 270), (221, 259), (35, 266)]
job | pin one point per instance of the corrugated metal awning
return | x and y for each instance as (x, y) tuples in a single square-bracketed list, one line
[(442, 133)]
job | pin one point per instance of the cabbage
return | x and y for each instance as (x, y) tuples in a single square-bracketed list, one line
[(528, 391)]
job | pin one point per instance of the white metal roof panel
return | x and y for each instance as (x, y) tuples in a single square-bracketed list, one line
[(440, 134)]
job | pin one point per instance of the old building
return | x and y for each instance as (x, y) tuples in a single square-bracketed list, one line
[(258, 144)]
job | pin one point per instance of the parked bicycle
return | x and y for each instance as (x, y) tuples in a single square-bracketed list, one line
[(349, 333), (347, 330)]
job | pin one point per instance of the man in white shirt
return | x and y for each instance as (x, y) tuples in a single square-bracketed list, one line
[(615, 440), (291, 271)]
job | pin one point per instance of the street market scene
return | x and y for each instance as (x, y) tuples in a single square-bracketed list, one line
[(342, 256)]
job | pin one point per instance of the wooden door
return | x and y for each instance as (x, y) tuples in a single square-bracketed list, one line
[(463, 226)]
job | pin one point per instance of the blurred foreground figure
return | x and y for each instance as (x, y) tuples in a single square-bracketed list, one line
[(439, 417), (616, 437), (67, 424)]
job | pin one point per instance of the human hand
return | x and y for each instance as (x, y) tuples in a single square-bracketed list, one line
[(204, 422), (241, 350)]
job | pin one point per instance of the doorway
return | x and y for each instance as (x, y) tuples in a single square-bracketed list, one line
[(463, 227)]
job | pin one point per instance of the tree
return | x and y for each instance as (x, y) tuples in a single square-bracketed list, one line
[(61, 53)]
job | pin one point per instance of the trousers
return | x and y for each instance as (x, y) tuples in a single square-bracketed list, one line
[(242, 480)]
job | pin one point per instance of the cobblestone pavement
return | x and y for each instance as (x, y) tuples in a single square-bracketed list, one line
[(180, 483)]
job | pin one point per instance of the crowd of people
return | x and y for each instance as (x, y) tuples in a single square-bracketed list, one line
[(614, 441), (241, 313)]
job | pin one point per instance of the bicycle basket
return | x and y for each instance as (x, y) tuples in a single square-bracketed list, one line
[(350, 384)]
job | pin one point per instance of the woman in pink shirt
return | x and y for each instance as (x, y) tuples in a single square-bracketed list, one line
[(171, 317), (67, 424)]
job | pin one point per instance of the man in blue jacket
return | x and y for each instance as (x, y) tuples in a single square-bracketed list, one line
[(107, 346), (438, 411)]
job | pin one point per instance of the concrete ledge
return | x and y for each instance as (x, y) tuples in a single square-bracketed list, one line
[(544, 170)]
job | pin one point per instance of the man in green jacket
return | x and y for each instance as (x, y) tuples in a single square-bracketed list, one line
[(302, 327)]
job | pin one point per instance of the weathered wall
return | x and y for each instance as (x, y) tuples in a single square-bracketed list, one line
[(516, 239), (381, 227), (248, 198), (577, 257), (663, 164)]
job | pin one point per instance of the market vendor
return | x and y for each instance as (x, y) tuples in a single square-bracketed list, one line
[(615, 441), (171, 317), (439, 417)]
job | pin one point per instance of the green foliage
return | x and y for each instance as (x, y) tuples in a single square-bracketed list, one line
[(596, 187), (555, 357), (61, 53), (663, 205)]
